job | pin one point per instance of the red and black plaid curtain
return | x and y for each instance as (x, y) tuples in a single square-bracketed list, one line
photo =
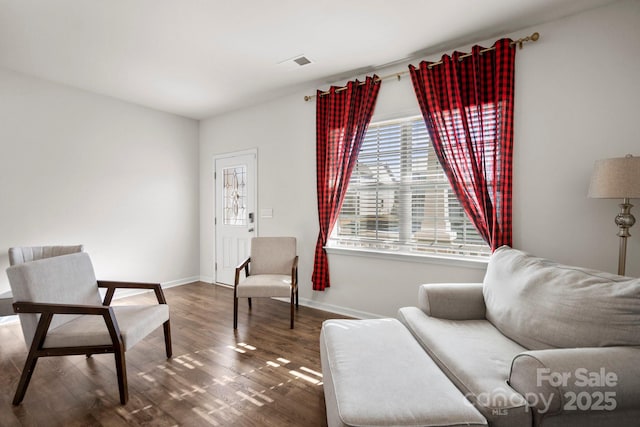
[(467, 106), (342, 117)]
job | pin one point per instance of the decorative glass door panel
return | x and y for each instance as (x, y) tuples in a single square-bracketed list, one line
[(235, 195)]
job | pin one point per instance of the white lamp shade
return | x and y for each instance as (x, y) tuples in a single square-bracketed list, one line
[(616, 178)]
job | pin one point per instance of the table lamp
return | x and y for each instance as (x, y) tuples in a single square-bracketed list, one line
[(618, 178)]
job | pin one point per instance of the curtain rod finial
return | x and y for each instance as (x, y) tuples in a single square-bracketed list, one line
[(307, 97), (532, 38)]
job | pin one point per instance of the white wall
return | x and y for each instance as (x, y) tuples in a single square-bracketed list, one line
[(77, 167), (577, 100)]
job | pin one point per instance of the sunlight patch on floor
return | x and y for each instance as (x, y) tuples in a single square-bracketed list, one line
[(248, 398), (304, 377), (205, 416), (247, 346), (239, 350), (226, 407), (183, 363), (141, 409), (166, 370), (216, 411), (261, 395), (242, 347), (311, 371), (146, 377), (192, 360)]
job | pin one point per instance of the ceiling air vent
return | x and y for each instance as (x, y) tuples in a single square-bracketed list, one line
[(295, 63), (302, 60)]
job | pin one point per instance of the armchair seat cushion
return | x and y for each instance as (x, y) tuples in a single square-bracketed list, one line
[(265, 285), (134, 321)]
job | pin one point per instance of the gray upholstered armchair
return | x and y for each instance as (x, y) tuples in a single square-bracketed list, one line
[(270, 271), (22, 254), (62, 313)]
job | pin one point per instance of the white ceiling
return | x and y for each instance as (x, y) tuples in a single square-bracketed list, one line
[(199, 58)]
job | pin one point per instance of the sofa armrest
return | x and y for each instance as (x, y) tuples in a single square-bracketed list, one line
[(578, 380), (454, 301)]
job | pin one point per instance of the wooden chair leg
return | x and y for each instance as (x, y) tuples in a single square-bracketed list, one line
[(291, 327), (235, 313), (28, 369), (121, 370), (32, 356), (167, 338)]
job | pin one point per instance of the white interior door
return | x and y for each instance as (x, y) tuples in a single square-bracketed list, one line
[(235, 212)]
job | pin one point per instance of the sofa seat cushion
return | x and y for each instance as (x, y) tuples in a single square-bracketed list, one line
[(477, 358), (542, 304), (376, 374)]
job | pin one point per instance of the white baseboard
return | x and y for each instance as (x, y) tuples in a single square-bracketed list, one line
[(123, 293), (223, 285), (336, 309), (344, 311), (172, 283)]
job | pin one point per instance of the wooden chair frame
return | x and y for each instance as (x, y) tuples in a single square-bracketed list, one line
[(245, 266), (47, 311)]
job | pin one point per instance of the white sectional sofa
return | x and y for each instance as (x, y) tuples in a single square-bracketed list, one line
[(536, 344)]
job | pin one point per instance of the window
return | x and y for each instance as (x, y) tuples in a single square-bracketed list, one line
[(399, 199)]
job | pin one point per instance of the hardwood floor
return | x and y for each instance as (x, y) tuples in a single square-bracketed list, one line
[(264, 374)]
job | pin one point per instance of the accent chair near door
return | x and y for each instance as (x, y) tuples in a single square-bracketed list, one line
[(270, 271)]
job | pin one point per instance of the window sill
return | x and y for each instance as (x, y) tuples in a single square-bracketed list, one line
[(474, 263)]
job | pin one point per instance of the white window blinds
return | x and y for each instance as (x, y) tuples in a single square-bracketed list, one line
[(399, 199)]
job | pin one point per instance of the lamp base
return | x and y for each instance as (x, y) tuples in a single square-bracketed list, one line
[(624, 221)]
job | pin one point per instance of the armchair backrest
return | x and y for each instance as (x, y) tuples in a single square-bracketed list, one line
[(272, 255), (21, 254), (66, 279)]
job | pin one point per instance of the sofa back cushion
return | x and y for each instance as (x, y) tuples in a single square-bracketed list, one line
[(541, 304)]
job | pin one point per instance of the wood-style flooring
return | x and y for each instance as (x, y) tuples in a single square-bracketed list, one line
[(264, 374)]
